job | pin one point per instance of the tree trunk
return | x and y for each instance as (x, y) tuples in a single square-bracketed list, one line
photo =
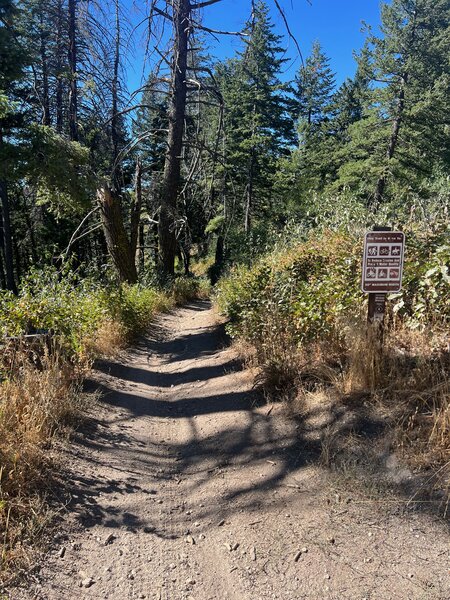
[(45, 86), (2, 272), (136, 208), (141, 248), (33, 245), (7, 238), (250, 177), (59, 68), (156, 244), (249, 194), (177, 110), (115, 104), (217, 268), (119, 246), (72, 56)]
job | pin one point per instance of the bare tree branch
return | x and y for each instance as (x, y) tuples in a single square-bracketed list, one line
[(73, 239), (218, 31), (288, 29), (198, 5), (162, 13)]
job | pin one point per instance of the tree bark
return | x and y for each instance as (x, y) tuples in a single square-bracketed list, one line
[(73, 88), (136, 208), (141, 248), (59, 67), (250, 177), (7, 238), (45, 86), (117, 241), (115, 103), (2, 271), (177, 111), (249, 194)]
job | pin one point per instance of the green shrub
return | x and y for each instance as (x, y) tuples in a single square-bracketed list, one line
[(74, 309), (134, 306), (314, 287), (70, 307), (184, 289)]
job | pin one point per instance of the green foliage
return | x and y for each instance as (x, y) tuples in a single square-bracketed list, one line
[(315, 84), (76, 308), (388, 124), (257, 122), (215, 224), (58, 168), (184, 289), (309, 288), (312, 289), (71, 307), (425, 299), (134, 306)]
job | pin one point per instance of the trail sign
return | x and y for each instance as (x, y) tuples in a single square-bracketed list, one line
[(383, 262)]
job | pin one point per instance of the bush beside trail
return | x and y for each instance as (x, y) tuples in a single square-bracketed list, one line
[(302, 311)]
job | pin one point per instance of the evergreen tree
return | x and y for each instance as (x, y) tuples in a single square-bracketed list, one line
[(258, 127), (314, 105), (314, 88), (13, 60), (402, 137)]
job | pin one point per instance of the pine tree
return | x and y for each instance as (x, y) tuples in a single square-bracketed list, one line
[(314, 105), (395, 147), (13, 59), (257, 123), (314, 88)]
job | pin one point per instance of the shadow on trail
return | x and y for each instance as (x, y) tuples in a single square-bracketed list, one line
[(253, 442)]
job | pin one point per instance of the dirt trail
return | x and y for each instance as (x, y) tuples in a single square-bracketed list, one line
[(186, 489)]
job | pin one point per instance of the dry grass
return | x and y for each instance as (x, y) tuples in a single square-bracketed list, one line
[(398, 395), (37, 401), (109, 339)]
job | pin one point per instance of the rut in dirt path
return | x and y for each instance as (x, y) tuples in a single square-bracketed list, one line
[(186, 486)]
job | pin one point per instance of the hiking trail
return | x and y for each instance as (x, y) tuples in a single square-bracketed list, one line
[(186, 486)]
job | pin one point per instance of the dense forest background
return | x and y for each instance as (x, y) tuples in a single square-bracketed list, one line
[(207, 152)]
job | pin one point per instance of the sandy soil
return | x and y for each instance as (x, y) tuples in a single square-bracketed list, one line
[(184, 488)]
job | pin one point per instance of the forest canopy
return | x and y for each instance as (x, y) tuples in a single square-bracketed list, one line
[(207, 150)]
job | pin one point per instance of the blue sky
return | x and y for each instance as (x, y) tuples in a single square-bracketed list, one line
[(335, 23)]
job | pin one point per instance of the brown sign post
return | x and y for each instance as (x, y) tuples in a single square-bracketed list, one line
[(382, 268)]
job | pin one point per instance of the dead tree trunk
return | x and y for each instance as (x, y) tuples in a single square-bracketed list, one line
[(115, 103), (136, 208), (119, 246), (177, 110), (73, 88)]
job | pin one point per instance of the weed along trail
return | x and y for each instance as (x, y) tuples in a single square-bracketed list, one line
[(185, 486)]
